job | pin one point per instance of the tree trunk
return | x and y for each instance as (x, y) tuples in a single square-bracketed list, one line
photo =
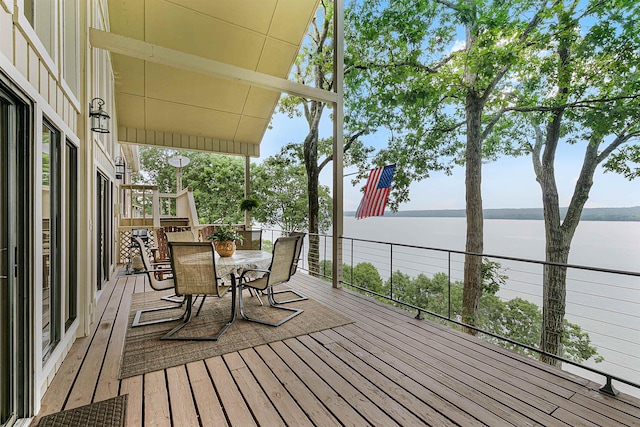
[(554, 293), (558, 239), (310, 149), (473, 180)]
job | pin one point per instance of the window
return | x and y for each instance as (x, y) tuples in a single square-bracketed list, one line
[(71, 234), (51, 197), (41, 15), (71, 44)]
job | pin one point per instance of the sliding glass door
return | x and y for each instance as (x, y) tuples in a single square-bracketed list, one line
[(14, 235)]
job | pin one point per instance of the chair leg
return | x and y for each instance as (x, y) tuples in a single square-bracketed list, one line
[(295, 311), (139, 313), (170, 335), (300, 296), (173, 298)]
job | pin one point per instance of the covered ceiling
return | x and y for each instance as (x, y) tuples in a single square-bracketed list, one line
[(167, 101)]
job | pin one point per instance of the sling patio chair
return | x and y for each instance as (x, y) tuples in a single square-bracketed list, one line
[(194, 274), (156, 285), (180, 236), (161, 251), (294, 269), (284, 250), (251, 240)]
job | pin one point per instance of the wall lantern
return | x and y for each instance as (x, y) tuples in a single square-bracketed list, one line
[(119, 167), (99, 118)]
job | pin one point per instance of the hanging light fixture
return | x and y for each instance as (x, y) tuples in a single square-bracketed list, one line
[(119, 167), (99, 118)]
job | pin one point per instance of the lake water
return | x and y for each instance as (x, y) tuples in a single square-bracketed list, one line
[(605, 305)]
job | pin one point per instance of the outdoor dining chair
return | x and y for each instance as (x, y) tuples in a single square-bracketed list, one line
[(156, 285), (251, 240), (180, 236), (194, 274), (284, 250), (294, 268)]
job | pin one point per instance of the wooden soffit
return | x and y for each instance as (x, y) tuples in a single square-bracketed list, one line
[(203, 74)]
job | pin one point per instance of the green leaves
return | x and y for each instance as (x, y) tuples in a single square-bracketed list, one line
[(217, 181)]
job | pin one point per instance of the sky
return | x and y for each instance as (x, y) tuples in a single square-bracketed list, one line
[(506, 183)]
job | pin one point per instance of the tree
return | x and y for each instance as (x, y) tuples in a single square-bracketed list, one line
[(280, 185), (314, 66), (216, 180), (408, 73), (591, 69)]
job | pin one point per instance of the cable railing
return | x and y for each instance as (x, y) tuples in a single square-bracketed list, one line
[(602, 325)]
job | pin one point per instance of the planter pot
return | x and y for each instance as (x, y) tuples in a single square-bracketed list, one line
[(226, 248)]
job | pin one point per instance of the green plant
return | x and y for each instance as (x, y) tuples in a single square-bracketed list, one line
[(248, 204), (224, 233)]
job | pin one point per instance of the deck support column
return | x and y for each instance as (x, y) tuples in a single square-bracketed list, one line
[(338, 141), (247, 190)]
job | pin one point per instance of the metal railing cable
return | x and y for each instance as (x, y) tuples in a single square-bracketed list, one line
[(413, 260)]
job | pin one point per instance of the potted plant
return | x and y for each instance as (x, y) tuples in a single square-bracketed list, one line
[(224, 239), (248, 204)]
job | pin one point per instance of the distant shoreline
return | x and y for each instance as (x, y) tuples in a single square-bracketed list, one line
[(588, 214)]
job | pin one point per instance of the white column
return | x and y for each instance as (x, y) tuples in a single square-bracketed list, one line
[(338, 140), (247, 190)]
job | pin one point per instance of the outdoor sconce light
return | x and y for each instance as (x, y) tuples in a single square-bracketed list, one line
[(99, 118), (119, 167)]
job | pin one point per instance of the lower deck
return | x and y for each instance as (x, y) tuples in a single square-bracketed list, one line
[(386, 369)]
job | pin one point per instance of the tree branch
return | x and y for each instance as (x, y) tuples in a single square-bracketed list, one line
[(493, 122), (373, 65), (449, 5), (535, 21), (535, 152), (353, 138), (620, 139), (585, 103)]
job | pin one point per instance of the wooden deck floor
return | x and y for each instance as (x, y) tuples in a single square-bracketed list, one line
[(386, 369)]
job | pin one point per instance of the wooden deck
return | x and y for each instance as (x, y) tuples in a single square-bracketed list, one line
[(386, 369)]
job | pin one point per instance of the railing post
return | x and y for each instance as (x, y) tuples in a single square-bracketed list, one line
[(351, 279), (391, 272), (449, 287), (608, 388)]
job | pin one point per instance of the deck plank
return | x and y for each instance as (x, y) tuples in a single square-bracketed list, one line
[(310, 404), (263, 410), (156, 400), (109, 382), (57, 394), (86, 381), (286, 406), (209, 407), (364, 385), (360, 402), (387, 368), (184, 414), (327, 395), (231, 398), (384, 377), (133, 388)]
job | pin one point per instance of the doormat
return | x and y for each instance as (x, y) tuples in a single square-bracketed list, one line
[(107, 413)]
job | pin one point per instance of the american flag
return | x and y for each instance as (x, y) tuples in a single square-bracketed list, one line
[(376, 192)]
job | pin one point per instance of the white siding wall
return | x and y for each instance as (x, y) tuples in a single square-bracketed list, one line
[(51, 62)]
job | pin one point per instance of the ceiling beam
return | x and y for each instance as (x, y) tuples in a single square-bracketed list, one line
[(174, 58)]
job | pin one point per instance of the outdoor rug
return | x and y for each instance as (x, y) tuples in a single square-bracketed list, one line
[(144, 352), (107, 413)]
